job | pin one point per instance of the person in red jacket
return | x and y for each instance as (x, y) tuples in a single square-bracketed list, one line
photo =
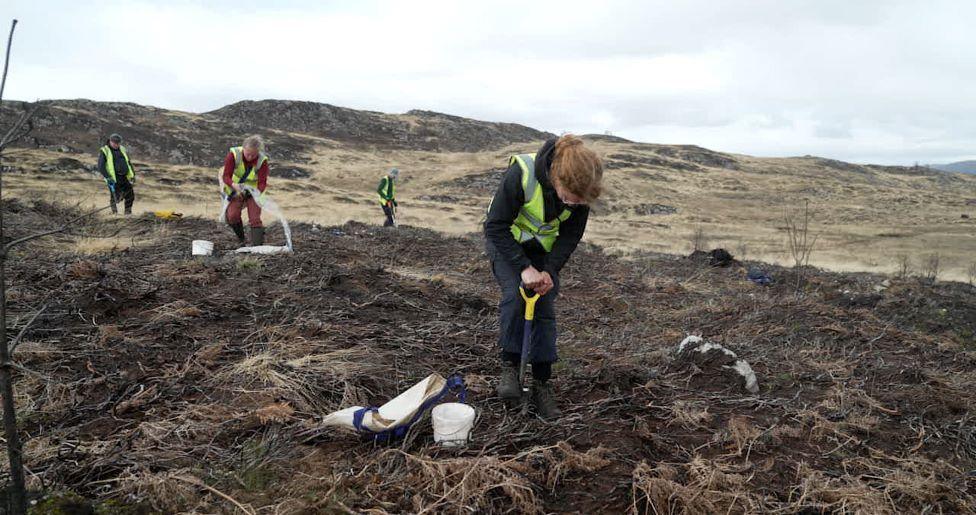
[(246, 166)]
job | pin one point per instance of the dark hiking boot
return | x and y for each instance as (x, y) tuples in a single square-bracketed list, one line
[(508, 385), (543, 400), (257, 236), (239, 231)]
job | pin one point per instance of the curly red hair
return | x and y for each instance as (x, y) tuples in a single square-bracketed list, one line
[(577, 168)]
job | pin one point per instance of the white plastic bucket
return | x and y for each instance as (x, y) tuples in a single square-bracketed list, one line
[(202, 248), (452, 423)]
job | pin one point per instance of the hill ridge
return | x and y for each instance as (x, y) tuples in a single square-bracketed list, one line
[(182, 137)]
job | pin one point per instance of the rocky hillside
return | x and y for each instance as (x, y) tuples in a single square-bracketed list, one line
[(420, 130), (178, 137)]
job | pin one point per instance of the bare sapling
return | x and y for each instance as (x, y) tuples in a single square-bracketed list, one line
[(17, 491), (904, 266), (932, 267), (800, 242), (699, 240)]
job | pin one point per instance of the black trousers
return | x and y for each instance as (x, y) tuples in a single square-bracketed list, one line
[(388, 211), (123, 192), (511, 308)]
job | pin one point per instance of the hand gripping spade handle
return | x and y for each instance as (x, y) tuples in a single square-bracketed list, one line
[(530, 297)]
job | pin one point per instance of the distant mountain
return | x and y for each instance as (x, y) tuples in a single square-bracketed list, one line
[(960, 167)]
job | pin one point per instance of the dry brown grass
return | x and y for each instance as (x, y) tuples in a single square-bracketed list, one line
[(305, 379), (276, 413), (163, 491), (109, 334), (866, 223), (553, 463), (209, 354), (174, 311), (447, 485), (39, 352), (742, 433), (479, 484), (85, 269), (690, 415), (241, 388), (839, 495), (92, 246), (697, 487)]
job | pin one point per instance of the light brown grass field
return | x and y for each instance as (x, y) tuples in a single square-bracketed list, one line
[(864, 220)]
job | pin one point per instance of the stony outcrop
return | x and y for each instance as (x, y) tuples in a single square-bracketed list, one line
[(291, 128)]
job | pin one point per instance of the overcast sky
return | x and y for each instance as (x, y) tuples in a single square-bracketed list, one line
[(864, 81)]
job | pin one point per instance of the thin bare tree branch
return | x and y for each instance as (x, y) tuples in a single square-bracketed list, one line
[(23, 330), (6, 62), (25, 370), (17, 490), (18, 241)]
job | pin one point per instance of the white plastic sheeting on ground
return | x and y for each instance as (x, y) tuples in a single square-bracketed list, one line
[(263, 249), (267, 205), (224, 199), (395, 413), (734, 364)]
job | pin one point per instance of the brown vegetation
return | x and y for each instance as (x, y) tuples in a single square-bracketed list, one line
[(180, 384)]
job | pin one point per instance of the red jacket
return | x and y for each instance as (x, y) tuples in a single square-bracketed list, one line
[(230, 164)]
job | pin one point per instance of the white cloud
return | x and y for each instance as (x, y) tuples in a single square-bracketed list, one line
[(885, 81)]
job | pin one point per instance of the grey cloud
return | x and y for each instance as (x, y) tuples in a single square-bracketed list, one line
[(869, 80)]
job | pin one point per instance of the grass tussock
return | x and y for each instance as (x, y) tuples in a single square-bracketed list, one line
[(321, 382), (487, 484), (176, 311), (697, 487)]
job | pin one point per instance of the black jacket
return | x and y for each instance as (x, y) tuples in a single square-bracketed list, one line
[(499, 242), (121, 166)]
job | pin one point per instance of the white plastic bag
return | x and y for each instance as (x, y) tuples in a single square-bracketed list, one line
[(263, 249), (397, 412)]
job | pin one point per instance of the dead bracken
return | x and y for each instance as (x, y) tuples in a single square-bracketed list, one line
[(178, 384)]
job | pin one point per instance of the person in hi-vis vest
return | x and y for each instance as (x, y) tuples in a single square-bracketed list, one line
[(246, 165), (387, 192), (534, 223), (116, 169)]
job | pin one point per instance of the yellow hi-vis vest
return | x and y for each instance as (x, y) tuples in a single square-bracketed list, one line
[(387, 189), (110, 162), (530, 223), (241, 175)]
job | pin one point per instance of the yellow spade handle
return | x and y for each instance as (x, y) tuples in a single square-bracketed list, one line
[(529, 303)]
